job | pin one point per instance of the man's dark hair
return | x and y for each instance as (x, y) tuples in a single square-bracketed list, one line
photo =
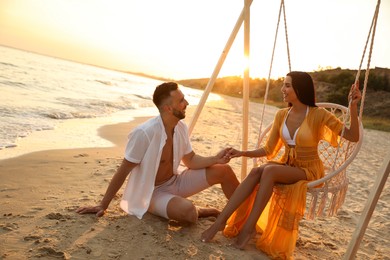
[(163, 92)]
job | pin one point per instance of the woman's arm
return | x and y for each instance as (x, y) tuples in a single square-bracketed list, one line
[(352, 133), (233, 153)]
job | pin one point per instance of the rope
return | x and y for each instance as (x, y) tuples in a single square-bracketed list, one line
[(339, 196), (347, 115), (373, 25), (373, 29), (282, 7), (285, 31)]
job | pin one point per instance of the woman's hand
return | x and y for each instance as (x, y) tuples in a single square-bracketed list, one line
[(233, 153), (222, 157), (354, 94)]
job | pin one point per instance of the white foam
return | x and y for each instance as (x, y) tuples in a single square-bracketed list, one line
[(72, 133)]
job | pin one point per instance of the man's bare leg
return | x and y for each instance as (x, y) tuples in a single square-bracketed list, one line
[(224, 175), (208, 212), (182, 210)]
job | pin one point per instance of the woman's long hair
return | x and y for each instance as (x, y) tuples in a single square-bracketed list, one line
[(303, 86)]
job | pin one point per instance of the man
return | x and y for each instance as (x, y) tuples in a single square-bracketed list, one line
[(158, 183)]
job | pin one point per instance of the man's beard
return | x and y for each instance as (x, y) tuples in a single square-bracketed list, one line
[(180, 115)]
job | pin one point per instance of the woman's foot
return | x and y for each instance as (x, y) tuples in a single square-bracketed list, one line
[(209, 233), (243, 239)]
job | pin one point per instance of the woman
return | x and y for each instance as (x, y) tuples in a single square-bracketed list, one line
[(298, 128)]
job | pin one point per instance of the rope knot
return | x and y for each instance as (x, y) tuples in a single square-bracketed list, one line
[(292, 155)]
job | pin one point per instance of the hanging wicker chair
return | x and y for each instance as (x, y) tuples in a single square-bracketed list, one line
[(326, 195)]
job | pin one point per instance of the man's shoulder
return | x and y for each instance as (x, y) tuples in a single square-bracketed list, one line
[(150, 125), (181, 123), (181, 127)]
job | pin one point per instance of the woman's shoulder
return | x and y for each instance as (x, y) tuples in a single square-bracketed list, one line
[(318, 110), (320, 114), (282, 111), (280, 115)]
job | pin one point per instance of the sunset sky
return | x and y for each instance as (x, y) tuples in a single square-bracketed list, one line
[(183, 39)]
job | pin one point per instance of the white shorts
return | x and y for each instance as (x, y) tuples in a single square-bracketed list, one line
[(186, 184)]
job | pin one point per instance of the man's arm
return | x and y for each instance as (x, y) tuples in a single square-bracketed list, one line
[(195, 161), (115, 184)]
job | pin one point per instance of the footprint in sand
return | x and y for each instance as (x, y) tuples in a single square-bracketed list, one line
[(32, 237), (71, 208), (330, 245), (51, 252), (58, 216), (81, 155), (9, 226), (97, 173)]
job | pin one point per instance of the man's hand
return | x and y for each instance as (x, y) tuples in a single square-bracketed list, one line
[(222, 157), (233, 153), (99, 210)]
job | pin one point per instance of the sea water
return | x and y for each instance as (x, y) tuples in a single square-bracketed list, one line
[(41, 94)]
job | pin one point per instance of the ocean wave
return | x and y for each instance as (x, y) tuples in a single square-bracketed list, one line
[(69, 115), (99, 106), (4, 146), (37, 92), (12, 83), (7, 64), (142, 97), (104, 82), (93, 108)]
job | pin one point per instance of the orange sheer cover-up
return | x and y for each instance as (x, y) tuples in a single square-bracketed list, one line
[(278, 223)]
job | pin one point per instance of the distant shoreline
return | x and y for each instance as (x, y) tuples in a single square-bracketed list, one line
[(377, 103)]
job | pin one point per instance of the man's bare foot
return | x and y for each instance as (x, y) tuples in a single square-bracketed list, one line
[(243, 239), (208, 212), (209, 233)]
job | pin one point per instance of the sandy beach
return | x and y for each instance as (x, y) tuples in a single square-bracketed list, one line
[(40, 192)]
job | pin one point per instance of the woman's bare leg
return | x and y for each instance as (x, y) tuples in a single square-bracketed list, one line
[(272, 174), (241, 193)]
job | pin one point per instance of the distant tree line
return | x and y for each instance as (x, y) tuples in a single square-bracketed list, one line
[(336, 82), (340, 82)]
